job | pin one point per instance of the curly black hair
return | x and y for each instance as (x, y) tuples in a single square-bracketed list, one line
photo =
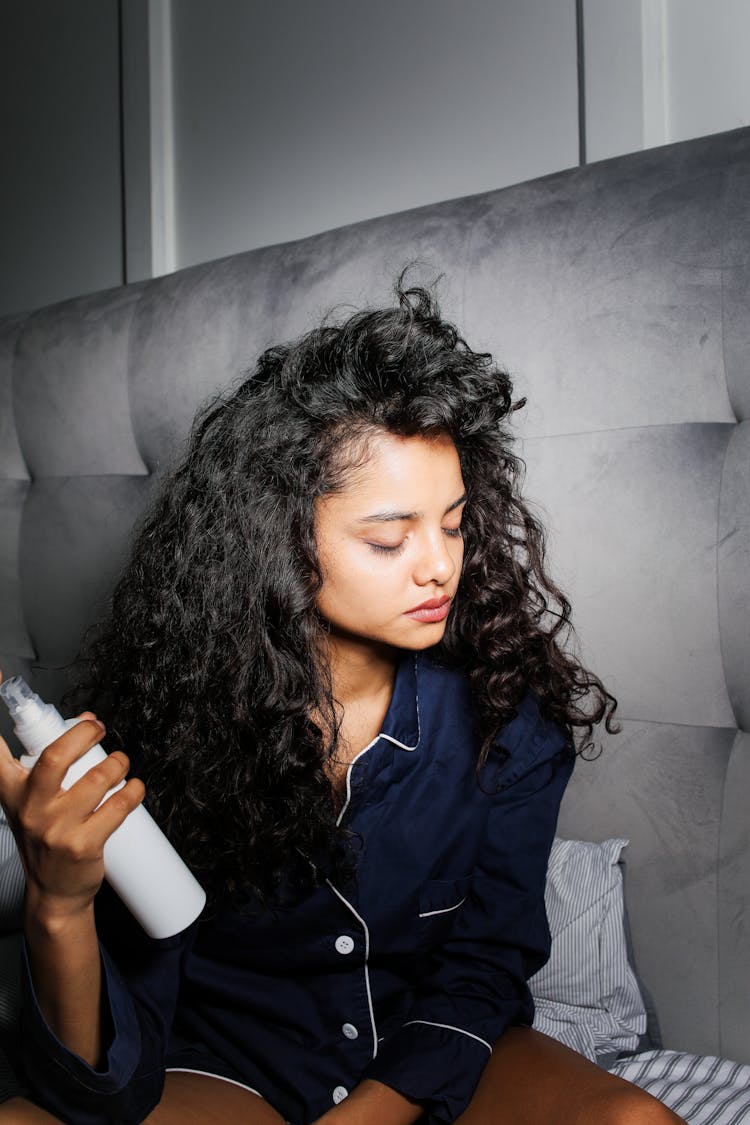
[(207, 668)]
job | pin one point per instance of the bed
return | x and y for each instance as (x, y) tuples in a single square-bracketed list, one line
[(617, 295)]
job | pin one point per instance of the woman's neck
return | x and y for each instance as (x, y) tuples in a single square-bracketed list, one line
[(360, 669), (362, 676)]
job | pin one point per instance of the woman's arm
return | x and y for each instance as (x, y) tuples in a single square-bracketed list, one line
[(474, 986), (61, 836), (94, 1027), (66, 971)]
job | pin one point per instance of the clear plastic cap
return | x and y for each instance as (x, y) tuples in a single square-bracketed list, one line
[(18, 696)]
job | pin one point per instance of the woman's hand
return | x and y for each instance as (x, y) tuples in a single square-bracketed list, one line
[(61, 833)]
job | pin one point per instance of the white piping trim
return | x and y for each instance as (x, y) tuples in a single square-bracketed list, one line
[(395, 741), (390, 738), (367, 957), (401, 745), (208, 1074), (450, 1027), (445, 909), (349, 781)]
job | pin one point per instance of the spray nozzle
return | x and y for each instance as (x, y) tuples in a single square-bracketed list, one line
[(18, 696), (36, 723)]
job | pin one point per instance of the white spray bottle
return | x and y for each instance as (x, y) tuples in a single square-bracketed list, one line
[(139, 862)]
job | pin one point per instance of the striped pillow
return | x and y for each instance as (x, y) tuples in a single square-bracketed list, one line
[(587, 995)]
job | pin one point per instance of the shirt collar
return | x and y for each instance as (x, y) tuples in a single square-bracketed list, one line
[(401, 723)]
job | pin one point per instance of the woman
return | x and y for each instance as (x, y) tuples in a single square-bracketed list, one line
[(336, 658)]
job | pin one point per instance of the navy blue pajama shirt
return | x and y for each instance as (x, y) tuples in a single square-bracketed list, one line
[(407, 974)]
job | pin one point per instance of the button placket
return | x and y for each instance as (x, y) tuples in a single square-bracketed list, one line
[(355, 999)]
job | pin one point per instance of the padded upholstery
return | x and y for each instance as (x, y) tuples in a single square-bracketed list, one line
[(617, 294)]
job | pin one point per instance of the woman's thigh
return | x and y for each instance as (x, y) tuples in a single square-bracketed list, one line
[(534, 1080), (188, 1099), (195, 1099), (19, 1111)]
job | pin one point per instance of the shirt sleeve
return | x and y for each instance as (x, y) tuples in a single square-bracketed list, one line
[(140, 978), (12, 881), (475, 986)]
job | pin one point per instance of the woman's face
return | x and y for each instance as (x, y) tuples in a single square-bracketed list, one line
[(390, 542)]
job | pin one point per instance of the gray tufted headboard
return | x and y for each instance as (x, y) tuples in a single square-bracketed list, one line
[(617, 294)]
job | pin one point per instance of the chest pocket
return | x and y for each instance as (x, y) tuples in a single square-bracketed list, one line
[(440, 902)]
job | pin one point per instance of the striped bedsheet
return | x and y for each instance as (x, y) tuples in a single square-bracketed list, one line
[(701, 1088)]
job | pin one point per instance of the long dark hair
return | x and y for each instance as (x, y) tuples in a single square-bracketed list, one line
[(207, 668)]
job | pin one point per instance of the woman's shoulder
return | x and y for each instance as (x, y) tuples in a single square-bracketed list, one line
[(442, 690), (527, 739), (531, 738)]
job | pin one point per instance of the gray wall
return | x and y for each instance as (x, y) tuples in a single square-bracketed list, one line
[(292, 118), (60, 203), (659, 71), (707, 64), (250, 122)]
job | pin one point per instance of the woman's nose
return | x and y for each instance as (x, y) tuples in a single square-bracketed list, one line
[(435, 563)]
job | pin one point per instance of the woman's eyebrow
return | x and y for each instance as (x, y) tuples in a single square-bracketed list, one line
[(456, 503), (395, 517)]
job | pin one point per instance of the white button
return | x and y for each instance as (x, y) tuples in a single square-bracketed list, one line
[(344, 944), (350, 1031), (340, 1093)]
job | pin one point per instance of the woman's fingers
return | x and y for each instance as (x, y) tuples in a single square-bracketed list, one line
[(116, 808), (24, 793), (73, 813), (61, 832), (13, 777), (10, 779), (82, 841), (83, 797), (63, 838), (60, 755)]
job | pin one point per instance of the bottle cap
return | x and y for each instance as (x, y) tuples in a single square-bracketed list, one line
[(20, 700)]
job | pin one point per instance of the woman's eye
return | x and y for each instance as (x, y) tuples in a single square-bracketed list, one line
[(385, 549), (454, 532)]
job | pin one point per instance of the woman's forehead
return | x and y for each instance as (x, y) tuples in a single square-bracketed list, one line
[(402, 471)]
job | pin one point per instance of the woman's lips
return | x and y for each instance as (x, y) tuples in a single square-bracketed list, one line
[(434, 610)]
